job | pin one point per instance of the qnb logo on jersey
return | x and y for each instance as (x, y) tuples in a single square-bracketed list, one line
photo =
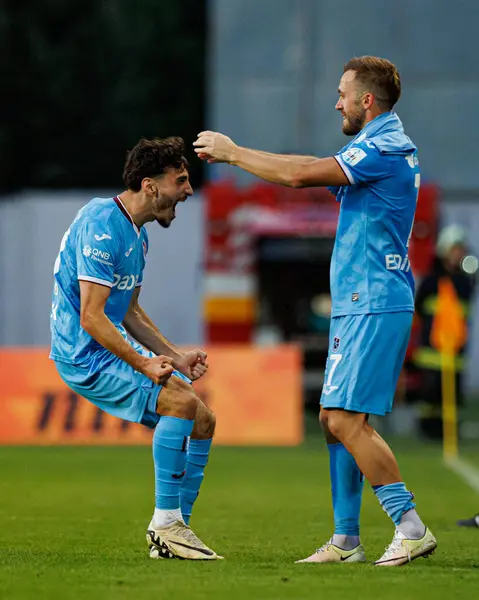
[(125, 282), (396, 262), (96, 254)]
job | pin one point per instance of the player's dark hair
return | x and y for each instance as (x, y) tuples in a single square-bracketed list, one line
[(150, 158), (378, 76)]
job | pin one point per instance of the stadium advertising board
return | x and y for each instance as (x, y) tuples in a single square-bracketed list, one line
[(255, 393)]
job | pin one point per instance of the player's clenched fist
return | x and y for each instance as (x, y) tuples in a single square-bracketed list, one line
[(215, 147), (192, 364), (159, 369)]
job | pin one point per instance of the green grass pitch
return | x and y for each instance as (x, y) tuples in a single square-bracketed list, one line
[(73, 520)]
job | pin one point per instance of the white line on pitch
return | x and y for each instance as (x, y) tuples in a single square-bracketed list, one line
[(469, 473)]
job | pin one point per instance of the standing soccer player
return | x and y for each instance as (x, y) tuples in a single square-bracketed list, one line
[(98, 276), (376, 180)]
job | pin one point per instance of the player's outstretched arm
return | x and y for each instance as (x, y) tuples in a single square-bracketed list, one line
[(139, 325), (292, 171), (94, 321), (297, 158)]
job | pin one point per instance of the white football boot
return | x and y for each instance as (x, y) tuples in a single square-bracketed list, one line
[(401, 550), (177, 540)]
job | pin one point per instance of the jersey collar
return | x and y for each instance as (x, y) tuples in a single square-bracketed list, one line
[(122, 207)]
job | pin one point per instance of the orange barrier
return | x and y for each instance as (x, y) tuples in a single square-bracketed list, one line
[(255, 393)]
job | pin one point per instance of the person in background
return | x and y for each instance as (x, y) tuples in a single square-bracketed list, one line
[(449, 262), (472, 522)]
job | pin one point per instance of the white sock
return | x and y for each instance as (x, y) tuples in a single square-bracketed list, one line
[(411, 525), (346, 542), (163, 517)]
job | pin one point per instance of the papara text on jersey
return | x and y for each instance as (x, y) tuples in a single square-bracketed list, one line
[(126, 282), (396, 262)]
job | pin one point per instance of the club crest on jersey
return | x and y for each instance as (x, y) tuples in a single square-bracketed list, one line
[(336, 342)]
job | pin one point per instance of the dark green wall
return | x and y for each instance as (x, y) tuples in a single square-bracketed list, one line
[(83, 80)]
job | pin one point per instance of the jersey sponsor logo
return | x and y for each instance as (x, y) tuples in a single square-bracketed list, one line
[(353, 155), (354, 297), (145, 249), (396, 262), (129, 251), (97, 254), (103, 236), (125, 282)]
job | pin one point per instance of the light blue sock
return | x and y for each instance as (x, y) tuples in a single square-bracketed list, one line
[(395, 500), (170, 441), (347, 485), (196, 460)]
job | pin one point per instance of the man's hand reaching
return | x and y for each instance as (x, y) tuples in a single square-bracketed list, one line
[(215, 147)]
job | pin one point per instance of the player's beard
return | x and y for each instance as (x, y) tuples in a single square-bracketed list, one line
[(164, 223), (354, 121)]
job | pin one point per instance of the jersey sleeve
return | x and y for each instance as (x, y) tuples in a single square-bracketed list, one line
[(363, 163), (97, 252)]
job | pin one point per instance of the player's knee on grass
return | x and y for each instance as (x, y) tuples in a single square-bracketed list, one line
[(177, 399), (344, 425), (205, 422)]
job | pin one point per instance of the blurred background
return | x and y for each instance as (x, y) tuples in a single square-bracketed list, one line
[(245, 268)]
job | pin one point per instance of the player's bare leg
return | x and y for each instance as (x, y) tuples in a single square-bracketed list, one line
[(372, 454), (378, 464), (168, 536)]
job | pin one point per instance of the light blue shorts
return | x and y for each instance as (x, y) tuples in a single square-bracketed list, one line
[(117, 388), (366, 353)]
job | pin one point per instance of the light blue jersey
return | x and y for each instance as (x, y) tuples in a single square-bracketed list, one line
[(104, 246), (370, 269)]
